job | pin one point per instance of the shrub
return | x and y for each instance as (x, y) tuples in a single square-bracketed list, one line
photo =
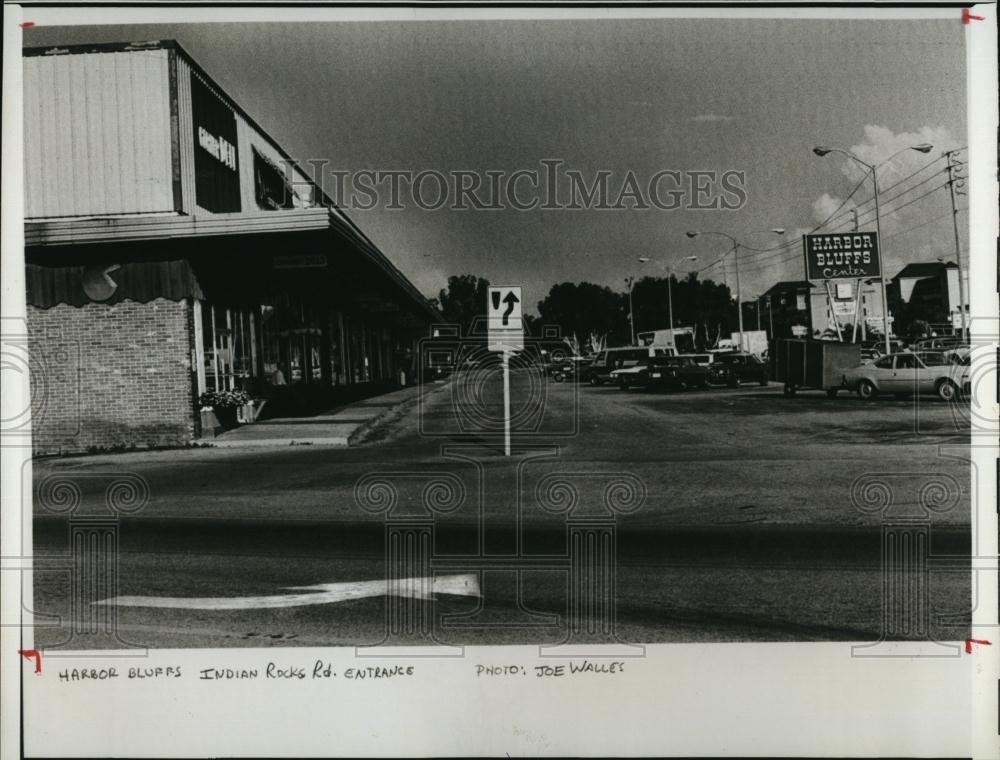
[(224, 399)]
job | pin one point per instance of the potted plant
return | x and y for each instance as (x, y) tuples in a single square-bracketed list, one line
[(225, 405)]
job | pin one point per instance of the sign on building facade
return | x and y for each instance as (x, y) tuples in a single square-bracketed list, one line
[(216, 160)]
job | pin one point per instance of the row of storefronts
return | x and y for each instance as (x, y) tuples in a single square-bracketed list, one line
[(215, 266)]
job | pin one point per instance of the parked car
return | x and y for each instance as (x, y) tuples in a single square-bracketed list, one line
[(936, 344), (702, 360), (675, 372), (678, 372), (910, 372), (607, 361), (569, 369), (631, 375), (735, 368)]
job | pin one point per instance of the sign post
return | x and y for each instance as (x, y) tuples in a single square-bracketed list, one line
[(506, 335)]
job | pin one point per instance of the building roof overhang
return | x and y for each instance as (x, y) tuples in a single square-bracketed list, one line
[(55, 235)]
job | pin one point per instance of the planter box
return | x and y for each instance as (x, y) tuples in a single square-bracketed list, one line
[(215, 421)]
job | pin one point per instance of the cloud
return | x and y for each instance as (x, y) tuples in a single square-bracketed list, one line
[(710, 118), (825, 206), (915, 210), (881, 143)]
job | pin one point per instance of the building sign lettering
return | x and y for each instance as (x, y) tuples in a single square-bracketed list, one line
[(219, 147), (216, 156)]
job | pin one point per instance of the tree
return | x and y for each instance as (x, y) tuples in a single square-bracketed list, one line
[(702, 304), (464, 300), (585, 308)]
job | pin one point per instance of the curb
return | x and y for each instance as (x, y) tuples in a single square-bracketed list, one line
[(366, 427), (282, 442)]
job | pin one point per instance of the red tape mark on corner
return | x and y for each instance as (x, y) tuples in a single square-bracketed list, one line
[(27, 24), (970, 642), (34, 654), (966, 16)]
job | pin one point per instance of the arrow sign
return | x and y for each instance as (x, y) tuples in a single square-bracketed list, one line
[(323, 593), (503, 319), (510, 299)]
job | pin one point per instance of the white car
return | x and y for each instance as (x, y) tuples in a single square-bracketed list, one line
[(912, 373)]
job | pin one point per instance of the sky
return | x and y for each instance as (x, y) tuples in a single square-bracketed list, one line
[(648, 95)]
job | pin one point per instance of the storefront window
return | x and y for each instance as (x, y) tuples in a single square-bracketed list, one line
[(292, 341), (227, 348), (270, 352), (356, 351)]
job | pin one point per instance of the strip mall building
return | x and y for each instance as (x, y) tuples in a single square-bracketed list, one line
[(172, 248)]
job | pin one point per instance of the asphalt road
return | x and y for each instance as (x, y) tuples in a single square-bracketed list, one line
[(736, 515)]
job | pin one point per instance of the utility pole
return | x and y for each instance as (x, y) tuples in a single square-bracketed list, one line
[(670, 301), (631, 313), (739, 304), (953, 166)]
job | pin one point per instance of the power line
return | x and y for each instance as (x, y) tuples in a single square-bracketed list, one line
[(900, 181), (782, 253), (899, 195), (884, 214), (945, 215)]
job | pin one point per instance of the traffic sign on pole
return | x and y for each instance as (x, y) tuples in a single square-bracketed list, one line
[(505, 334), (503, 319)]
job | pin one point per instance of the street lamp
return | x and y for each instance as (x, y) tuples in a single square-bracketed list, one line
[(670, 289), (736, 261), (821, 150), (631, 313)]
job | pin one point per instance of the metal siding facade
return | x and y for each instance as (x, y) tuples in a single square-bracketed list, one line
[(185, 128), (97, 134)]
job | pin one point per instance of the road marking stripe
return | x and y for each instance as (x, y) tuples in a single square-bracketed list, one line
[(324, 593)]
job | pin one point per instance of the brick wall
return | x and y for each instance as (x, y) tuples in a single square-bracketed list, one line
[(111, 376)]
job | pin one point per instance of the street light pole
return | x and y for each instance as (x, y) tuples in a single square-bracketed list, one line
[(885, 295), (668, 270), (873, 170), (736, 260)]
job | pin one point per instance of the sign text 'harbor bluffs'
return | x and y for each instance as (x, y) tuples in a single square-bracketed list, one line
[(842, 255)]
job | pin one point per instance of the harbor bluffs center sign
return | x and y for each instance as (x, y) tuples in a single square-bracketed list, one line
[(842, 255)]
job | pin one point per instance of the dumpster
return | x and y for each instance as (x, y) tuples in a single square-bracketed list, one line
[(816, 364)]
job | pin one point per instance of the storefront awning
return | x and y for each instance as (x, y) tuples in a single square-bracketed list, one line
[(63, 244)]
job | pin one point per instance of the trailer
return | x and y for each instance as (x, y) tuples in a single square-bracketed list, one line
[(817, 364)]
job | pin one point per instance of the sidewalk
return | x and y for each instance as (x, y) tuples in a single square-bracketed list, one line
[(341, 426)]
